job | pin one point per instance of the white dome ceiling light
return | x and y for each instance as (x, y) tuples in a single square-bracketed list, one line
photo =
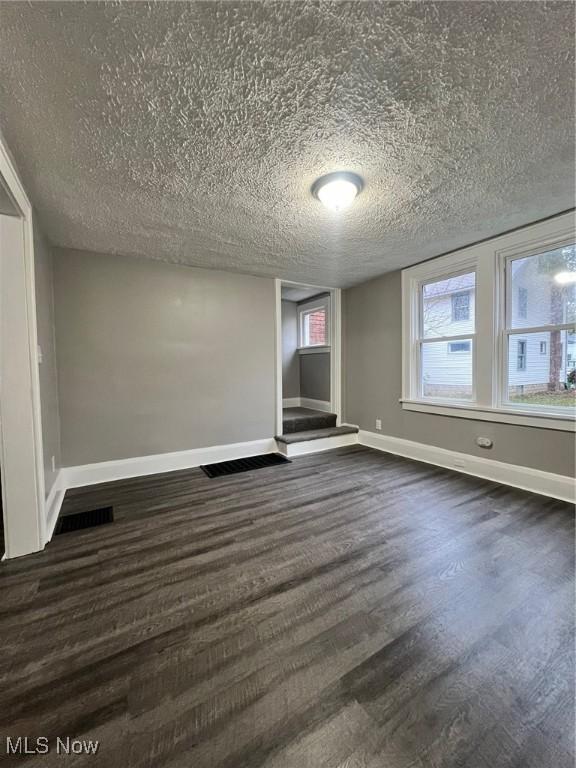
[(337, 190)]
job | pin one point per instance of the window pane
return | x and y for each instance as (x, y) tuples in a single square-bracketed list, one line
[(541, 291), (314, 328), (458, 346), (542, 368), (446, 374), (448, 306)]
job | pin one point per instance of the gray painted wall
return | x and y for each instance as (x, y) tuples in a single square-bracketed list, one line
[(306, 375), (315, 375), (315, 367), (372, 340), (154, 357), (290, 362), (43, 273)]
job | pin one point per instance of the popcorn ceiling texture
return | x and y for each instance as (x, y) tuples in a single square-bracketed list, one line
[(192, 132)]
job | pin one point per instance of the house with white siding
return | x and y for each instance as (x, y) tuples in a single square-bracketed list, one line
[(537, 361)]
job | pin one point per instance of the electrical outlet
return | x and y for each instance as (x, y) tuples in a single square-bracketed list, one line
[(53, 464), (379, 424), (39, 354)]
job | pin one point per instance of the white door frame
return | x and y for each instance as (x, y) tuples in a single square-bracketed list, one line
[(335, 347), (22, 463)]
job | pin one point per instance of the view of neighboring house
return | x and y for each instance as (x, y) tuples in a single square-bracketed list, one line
[(448, 310), (539, 361)]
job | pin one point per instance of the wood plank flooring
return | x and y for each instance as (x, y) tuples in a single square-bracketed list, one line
[(349, 610)]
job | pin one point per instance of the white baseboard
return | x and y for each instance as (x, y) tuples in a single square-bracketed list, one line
[(307, 402), (534, 480), (106, 471), (317, 405), (315, 446), (54, 502)]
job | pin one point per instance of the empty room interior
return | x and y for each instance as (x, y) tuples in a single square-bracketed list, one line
[(287, 384)]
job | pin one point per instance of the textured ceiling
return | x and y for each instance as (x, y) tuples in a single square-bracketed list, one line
[(297, 293), (191, 132)]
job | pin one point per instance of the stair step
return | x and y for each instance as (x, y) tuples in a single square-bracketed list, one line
[(314, 440), (306, 419), (315, 434)]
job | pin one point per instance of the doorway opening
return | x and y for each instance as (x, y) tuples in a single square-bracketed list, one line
[(21, 468), (308, 364)]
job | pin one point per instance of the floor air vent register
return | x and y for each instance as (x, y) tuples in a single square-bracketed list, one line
[(244, 465), (80, 520)]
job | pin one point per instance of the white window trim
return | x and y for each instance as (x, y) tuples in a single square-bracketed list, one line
[(312, 306), (489, 346), (315, 350)]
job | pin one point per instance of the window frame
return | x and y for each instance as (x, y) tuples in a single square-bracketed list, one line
[(490, 260), (309, 307), (507, 330), (420, 339)]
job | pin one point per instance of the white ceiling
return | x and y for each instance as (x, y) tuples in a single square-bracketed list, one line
[(298, 293), (192, 132)]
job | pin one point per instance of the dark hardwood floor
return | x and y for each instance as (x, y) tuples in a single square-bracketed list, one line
[(349, 610)]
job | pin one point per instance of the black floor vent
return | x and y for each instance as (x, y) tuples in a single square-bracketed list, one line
[(244, 465), (89, 519)]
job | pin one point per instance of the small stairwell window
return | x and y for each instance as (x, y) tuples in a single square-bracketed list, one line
[(314, 328), (313, 323)]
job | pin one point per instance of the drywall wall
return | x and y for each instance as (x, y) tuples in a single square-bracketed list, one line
[(44, 283), (372, 382), (290, 362), (315, 375), (154, 358)]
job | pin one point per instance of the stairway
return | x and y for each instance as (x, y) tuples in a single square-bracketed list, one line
[(306, 431), (302, 419)]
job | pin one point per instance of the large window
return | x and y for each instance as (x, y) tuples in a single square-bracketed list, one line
[(541, 376), (489, 332)]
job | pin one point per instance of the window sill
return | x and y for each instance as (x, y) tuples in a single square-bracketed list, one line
[(500, 415), (313, 350)]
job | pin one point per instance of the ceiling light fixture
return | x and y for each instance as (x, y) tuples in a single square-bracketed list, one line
[(337, 190), (565, 278)]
